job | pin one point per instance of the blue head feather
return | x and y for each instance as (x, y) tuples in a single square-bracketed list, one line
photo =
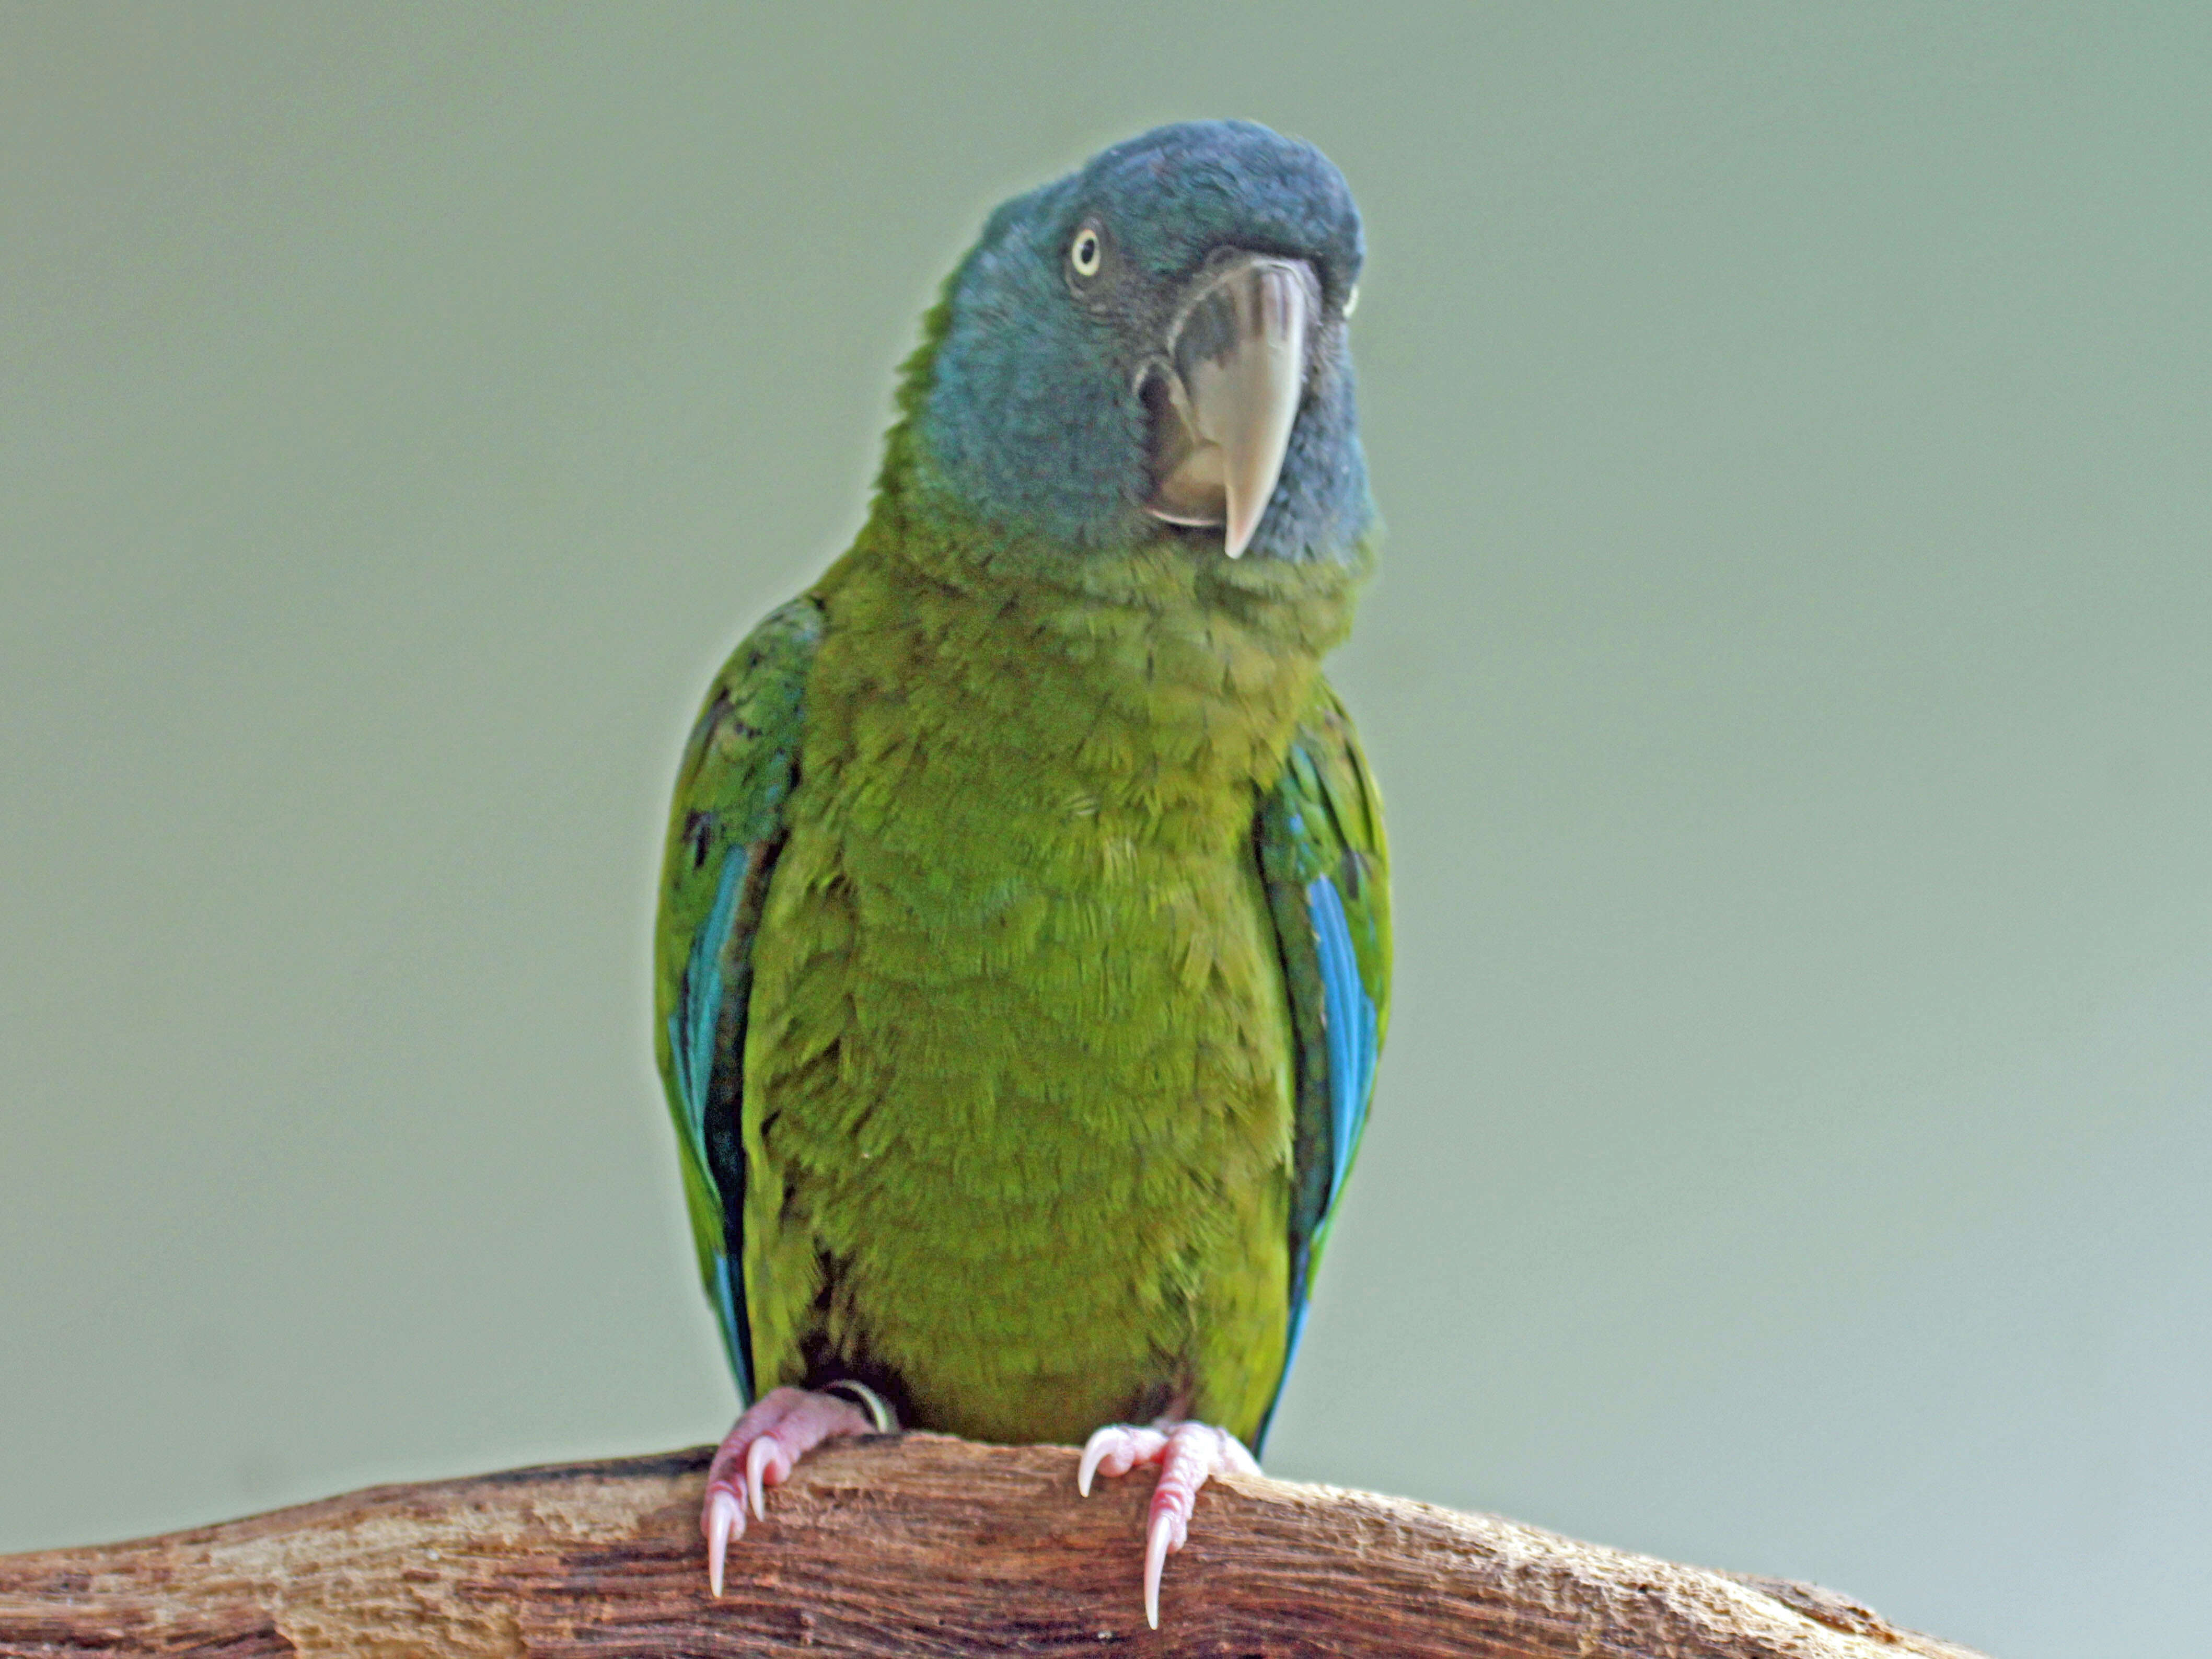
[(1033, 418)]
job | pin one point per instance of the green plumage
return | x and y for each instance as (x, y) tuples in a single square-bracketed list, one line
[(1012, 1096)]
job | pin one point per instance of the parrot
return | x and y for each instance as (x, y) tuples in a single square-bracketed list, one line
[(1022, 951)]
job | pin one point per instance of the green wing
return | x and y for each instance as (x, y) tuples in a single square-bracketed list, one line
[(724, 833), (1326, 870)]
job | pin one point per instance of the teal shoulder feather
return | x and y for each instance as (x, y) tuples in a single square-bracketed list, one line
[(1326, 870), (725, 832)]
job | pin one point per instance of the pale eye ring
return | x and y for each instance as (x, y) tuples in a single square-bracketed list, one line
[(1351, 300), (1085, 251)]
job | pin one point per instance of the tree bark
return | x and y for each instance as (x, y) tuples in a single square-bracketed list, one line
[(899, 1545)]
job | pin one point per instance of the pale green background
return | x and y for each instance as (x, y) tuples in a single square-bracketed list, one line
[(1789, 675)]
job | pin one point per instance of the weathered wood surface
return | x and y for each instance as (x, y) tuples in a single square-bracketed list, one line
[(916, 1544)]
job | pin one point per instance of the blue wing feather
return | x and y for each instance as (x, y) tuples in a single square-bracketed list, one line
[(1349, 1020), (1326, 871), (729, 1319), (698, 1013), (692, 1029), (724, 832)]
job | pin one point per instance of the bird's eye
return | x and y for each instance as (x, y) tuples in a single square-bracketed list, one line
[(1351, 300), (1083, 253)]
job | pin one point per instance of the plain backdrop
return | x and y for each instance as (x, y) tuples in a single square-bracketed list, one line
[(1790, 675)]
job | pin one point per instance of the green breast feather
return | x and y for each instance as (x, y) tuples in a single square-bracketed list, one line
[(1314, 891)]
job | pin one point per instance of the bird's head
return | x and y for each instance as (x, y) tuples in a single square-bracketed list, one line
[(1155, 345)]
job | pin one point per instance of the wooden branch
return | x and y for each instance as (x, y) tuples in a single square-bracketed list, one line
[(908, 1545)]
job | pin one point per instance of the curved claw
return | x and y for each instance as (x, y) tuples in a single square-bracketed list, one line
[(726, 1519), (764, 1457), (1161, 1535), (1116, 1449)]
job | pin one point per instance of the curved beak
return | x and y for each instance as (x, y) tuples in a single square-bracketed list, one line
[(1226, 395)]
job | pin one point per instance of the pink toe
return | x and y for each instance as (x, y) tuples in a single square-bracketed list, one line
[(1114, 1451), (1194, 1454), (775, 1433)]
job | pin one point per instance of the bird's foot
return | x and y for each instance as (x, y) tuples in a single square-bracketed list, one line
[(778, 1430), (1189, 1454)]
